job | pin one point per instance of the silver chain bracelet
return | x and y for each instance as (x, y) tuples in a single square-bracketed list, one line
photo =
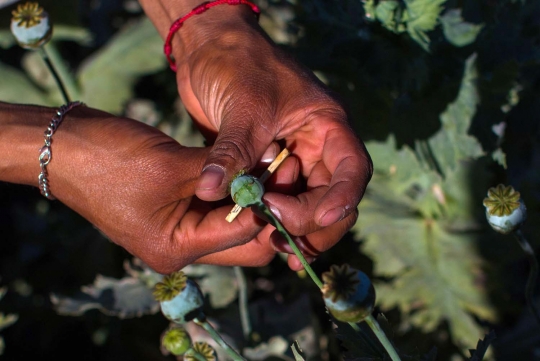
[(45, 154)]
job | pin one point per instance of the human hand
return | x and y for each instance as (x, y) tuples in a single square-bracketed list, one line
[(130, 180), (245, 93)]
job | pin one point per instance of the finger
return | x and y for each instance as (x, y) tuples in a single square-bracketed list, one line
[(314, 244), (285, 178), (350, 165), (202, 232), (256, 253), (269, 155), (296, 213), (239, 147)]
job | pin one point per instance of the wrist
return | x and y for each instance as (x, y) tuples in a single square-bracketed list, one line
[(21, 137), (221, 22)]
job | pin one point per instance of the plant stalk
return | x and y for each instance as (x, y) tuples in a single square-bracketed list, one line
[(243, 302), (533, 272), (275, 222), (217, 337), (54, 73), (377, 330), (373, 324)]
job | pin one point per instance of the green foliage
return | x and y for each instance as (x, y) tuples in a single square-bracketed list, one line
[(421, 17), (107, 77), (105, 80), (456, 30), (417, 224), (5, 321), (416, 17), (452, 143)]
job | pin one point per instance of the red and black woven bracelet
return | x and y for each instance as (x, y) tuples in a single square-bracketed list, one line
[(167, 49)]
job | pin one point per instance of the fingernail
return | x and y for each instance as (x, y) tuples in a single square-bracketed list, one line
[(280, 244), (211, 177), (269, 155), (275, 212), (332, 216)]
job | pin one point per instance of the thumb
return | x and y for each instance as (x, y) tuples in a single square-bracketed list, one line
[(237, 147)]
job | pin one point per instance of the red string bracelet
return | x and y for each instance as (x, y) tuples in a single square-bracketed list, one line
[(167, 49)]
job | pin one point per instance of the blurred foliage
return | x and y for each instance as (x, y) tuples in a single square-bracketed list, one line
[(446, 95), (5, 321)]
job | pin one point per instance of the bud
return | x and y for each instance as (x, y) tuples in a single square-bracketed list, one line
[(247, 190), (30, 25), (176, 340), (348, 293), (180, 298), (505, 211)]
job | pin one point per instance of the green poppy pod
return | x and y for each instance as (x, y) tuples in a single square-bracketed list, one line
[(247, 190), (348, 293), (180, 298)]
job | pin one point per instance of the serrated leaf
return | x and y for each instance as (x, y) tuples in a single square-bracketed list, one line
[(457, 31), (482, 347), (218, 282), (432, 270), (400, 168), (421, 16), (124, 298), (15, 87), (402, 175), (107, 77), (386, 14), (452, 143)]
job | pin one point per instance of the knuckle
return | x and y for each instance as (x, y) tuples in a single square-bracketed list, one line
[(233, 150)]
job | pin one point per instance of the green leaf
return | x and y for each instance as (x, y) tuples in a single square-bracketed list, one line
[(126, 297), (386, 12), (432, 262), (15, 87), (218, 282), (107, 78), (433, 271), (402, 175), (421, 16), (457, 31), (452, 144)]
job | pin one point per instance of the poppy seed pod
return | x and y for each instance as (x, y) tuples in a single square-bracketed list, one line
[(30, 25), (247, 190), (180, 298), (202, 349), (176, 340), (505, 211), (348, 293)]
